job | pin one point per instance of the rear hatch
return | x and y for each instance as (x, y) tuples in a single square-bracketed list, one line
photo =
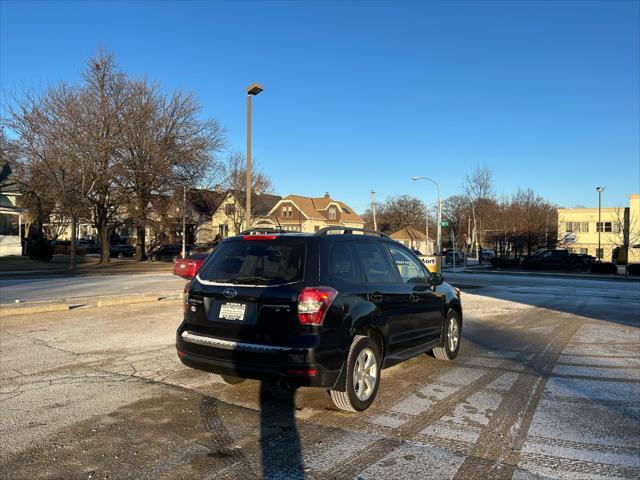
[(247, 290)]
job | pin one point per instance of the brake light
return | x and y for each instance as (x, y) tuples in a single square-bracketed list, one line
[(313, 304), (259, 237), (185, 297)]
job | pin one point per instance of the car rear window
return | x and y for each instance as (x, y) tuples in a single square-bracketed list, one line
[(256, 262)]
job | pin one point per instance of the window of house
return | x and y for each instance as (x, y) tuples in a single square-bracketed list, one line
[(229, 209), (287, 211), (332, 213), (584, 251), (604, 226), (316, 228), (576, 227), (9, 224), (223, 230), (599, 252)]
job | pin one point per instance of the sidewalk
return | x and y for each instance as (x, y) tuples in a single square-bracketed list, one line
[(24, 267), (488, 269)]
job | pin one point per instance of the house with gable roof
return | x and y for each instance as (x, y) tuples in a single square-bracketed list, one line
[(309, 214)]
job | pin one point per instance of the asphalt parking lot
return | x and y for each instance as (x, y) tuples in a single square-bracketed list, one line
[(547, 385)]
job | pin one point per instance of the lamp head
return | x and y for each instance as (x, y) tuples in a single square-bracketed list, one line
[(254, 89)]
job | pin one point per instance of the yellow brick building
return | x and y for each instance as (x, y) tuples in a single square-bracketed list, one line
[(578, 230)]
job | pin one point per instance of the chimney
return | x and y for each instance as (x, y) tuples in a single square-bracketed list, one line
[(218, 188), (326, 195)]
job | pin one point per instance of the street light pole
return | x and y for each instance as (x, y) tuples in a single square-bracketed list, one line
[(184, 221), (599, 227), (253, 89), (439, 234)]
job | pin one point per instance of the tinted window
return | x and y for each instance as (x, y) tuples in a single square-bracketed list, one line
[(375, 263), (343, 264), (409, 268), (257, 262)]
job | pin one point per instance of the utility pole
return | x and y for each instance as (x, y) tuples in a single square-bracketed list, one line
[(466, 247), (426, 230), (373, 209), (475, 231), (184, 221), (599, 227)]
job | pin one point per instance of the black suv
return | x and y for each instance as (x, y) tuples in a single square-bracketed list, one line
[(325, 310)]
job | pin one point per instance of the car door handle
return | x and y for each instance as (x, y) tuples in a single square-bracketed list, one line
[(376, 297), (414, 298)]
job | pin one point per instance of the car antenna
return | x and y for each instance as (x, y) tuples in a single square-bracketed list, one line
[(279, 226)]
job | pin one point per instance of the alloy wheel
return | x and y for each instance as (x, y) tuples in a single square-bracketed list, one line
[(453, 334), (365, 374)]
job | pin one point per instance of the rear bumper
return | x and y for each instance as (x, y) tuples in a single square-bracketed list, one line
[(296, 366)]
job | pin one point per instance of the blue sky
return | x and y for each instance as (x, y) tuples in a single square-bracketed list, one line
[(364, 95)]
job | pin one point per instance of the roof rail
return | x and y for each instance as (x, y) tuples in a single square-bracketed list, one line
[(349, 230), (261, 231)]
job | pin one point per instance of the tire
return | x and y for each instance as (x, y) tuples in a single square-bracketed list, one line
[(363, 350), (578, 267), (451, 327), (229, 380)]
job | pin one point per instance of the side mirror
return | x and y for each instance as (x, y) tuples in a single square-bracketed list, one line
[(436, 279)]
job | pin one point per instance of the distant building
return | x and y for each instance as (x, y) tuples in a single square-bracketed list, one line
[(10, 213), (220, 214), (309, 214), (415, 240), (578, 230)]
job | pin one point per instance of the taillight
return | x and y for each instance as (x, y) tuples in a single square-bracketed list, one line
[(313, 304), (185, 297), (259, 237)]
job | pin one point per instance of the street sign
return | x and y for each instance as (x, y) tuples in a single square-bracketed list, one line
[(444, 223)]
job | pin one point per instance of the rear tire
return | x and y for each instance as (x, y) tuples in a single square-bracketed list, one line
[(229, 380), (363, 376), (451, 338)]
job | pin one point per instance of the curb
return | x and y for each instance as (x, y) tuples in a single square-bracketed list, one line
[(108, 301), (45, 307), (616, 278)]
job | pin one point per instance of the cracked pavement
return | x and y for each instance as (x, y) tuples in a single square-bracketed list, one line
[(547, 385)]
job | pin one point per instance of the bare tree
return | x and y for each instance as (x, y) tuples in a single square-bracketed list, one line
[(45, 153), (456, 209), (478, 187), (165, 145), (399, 212), (625, 230), (234, 172), (95, 131)]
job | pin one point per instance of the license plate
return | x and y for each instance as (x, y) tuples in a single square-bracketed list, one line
[(232, 311)]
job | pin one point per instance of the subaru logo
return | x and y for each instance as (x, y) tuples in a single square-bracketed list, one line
[(230, 292)]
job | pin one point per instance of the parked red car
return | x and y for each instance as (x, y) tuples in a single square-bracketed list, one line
[(188, 267)]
